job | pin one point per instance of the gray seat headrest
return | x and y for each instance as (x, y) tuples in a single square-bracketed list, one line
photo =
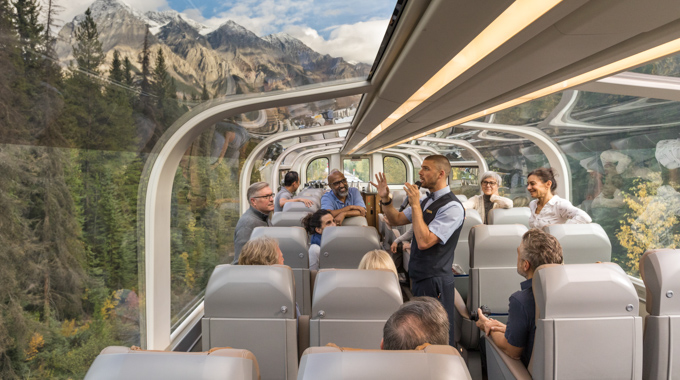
[(299, 207), (515, 215), (343, 247), (490, 245), (356, 294), (660, 270), (355, 221), (288, 219), (250, 291), (292, 242), (582, 243)]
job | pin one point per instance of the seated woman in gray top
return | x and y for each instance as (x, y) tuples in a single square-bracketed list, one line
[(489, 199)]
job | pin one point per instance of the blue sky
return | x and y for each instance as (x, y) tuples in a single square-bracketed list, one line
[(352, 29)]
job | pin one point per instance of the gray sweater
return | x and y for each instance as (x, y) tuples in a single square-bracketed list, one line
[(244, 228)]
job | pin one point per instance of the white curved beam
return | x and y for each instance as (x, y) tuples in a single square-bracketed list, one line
[(156, 190), (401, 153), (548, 146), (293, 148), (481, 162), (296, 163)]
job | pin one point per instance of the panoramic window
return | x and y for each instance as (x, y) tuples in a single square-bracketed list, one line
[(357, 170), (317, 169), (395, 170), (464, 180)]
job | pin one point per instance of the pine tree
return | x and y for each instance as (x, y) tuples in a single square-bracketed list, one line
[(127, 72), (161, 79), (144, 82), (30, 32), (116, 73), (88, 49), (204, 94)]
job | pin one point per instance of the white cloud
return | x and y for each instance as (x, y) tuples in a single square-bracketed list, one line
[(353, 42)]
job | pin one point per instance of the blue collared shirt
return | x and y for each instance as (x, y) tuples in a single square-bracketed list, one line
[(448, 218), (521, 325), (330, 202)]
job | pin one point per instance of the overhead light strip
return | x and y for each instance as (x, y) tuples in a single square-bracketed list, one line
[(626, 63), (514, 19)]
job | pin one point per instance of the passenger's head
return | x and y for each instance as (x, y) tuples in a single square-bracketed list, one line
[(315, 223), (537, 248), (434, 172), (261, 251), (378, 259), (490, 182), (292, 179), (261, 197), (338, 183), (419, 321), (541, 182)]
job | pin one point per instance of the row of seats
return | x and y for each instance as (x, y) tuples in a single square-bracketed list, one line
[(329, 363), (253, 307)]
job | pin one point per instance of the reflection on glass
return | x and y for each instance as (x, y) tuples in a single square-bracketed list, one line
[(357, 170), (464, 180), (317, 170), (667, 66), (395, 170)]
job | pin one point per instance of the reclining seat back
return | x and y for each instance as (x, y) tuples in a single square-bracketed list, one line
[(293, 245), (117, 363), (461, 197), (515, 215), (288, 219), (311, 197), (582, 243), (253, 307), (431, 363), (343, 247), (359, 221), (660, 270), (299, 207), (462, 254), (587, 323), (493, 273), (350, 306)]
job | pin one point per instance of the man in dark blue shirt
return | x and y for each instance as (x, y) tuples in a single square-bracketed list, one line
[(516, 338)]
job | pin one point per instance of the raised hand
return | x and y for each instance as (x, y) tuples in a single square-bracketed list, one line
[(413, 194), (381, 186), (307, 202)]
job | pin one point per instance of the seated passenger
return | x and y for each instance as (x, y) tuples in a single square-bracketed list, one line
[(547, 208), (378, 259), (404, 238), (315, 224), (419, 321), (261, 199), (263, 250), (342, 201), (489, 199), (291, 182), (516, 338)]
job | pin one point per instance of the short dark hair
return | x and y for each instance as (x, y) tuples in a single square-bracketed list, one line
[(290, 178), (545, 174), (313, 221), (419, 321), (441, 162)]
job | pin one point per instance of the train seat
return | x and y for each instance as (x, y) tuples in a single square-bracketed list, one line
[(299, 207), (288, 219), (461, 197), (253, 307), (293, 243), (355, 221), (515, 215), (660, 270), (118, 363), (462, 253), (587, 326), (343, 247), (311, 197), (431, 363), (350, 306), (493, 273), (582, 243)]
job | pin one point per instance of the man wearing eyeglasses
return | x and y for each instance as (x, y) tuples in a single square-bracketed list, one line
[(342, 201), (261, 198)]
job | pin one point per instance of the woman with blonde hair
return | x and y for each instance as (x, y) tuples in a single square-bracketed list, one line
[(378, 259), (261, 251)]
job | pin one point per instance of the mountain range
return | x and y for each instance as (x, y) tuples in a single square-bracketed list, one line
[(229, 59)]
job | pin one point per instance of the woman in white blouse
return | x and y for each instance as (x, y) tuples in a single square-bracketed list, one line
[(546, 208), (489, 199)]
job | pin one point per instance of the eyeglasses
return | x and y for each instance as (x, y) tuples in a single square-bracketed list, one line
[(488, 183), (266, 196), (338, 183)]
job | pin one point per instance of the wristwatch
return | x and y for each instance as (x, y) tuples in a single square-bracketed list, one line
[(387, 203)]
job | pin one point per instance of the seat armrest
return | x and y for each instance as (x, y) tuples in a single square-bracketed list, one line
[(501, 366)]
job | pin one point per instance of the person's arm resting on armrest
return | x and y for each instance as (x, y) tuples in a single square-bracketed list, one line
[(496, 331)]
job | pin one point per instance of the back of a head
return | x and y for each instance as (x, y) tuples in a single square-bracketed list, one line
[(419, 321), (378, 259), (290, 178), (259, 251), (539, 248)]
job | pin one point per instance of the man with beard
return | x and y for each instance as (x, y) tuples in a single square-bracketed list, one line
[(342, 201), (437, 221)]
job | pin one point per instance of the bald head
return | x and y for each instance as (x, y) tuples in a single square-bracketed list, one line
[(419, 321)]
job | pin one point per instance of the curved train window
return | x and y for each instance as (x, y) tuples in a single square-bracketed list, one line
[(395, 170), (357, 169), (464, 180), (317, 169)]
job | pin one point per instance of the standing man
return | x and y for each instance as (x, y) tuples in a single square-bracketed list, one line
[(291, 182), (437, 222), (261, 200), (343, 201)]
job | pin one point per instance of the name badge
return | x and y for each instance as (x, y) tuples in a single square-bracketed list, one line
[(428, 211)]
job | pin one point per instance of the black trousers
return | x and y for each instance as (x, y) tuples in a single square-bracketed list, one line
[(441, 288)]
